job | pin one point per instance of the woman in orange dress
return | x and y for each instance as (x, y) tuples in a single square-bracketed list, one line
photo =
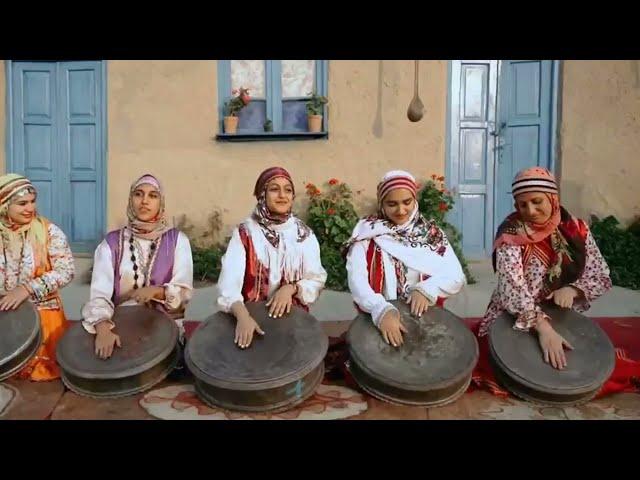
[(35, 263)]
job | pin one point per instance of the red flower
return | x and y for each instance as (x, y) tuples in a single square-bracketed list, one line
[(441, 178), (434, 176), (334, 181), (443, 207), (331, 211), (312, 190)]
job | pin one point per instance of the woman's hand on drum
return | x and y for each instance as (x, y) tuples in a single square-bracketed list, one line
[(563, 297), (419, 303), (14, 298), (282, 301), (106, 340), (552, 344), (391, 327), (145, 294), (245, 326)]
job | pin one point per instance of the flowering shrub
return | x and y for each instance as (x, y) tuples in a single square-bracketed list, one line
[(332, 217), (434, 201), (241, 99)]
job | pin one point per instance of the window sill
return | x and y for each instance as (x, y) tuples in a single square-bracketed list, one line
[(270, 136)]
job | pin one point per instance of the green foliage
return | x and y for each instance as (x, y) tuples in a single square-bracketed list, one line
[(332, 217), (620, 247), (315, 105), (434, 201)]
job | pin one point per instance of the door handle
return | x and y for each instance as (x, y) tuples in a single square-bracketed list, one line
[(498, 131)]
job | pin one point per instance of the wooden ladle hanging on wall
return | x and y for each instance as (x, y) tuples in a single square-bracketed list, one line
[(416, 107)]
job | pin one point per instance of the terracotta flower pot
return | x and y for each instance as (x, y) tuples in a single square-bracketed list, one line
[(230, 124), (315, 123)]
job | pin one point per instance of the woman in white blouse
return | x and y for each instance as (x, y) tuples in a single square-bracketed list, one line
[(146, 262), (398, 254), (272, 256)]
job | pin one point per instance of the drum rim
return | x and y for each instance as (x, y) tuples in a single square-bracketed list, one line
[(583, 389), (35, 345), (249, 385), (393, 382), (561, 399), (395, 400), (37, 332), (173, 360), (279, 407), (124, 373)]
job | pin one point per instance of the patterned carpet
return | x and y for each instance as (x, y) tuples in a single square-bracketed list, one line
[(179, 402)]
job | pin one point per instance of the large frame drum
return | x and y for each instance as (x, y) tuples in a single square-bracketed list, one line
[(148, 354), (20, 338), (518, 362), (278, 371), (432, 368)]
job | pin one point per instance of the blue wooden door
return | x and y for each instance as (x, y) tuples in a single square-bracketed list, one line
[(523, 134), (57, 140), (500, 121), (472, 111), (35, 140)]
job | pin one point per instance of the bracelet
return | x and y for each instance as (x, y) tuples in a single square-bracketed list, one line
[(530, 319)]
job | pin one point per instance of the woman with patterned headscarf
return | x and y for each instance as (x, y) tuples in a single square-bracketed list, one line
[(272, 256), (543, 252), (146, 262), (35, 263), (399, 254)]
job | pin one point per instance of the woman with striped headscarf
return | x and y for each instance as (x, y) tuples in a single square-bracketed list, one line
[(272, 256), (399, 254), (543, 252), (36, 262), (145, 262)]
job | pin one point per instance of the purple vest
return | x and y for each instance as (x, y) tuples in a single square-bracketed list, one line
[(162, 270)]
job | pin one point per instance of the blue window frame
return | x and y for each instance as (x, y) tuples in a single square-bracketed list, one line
[(288, 115)]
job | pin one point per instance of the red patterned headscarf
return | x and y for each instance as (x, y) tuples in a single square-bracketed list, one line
[(535, 179), (262, 215)]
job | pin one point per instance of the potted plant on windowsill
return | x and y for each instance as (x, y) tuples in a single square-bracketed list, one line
[(233, 107), (315, 110)]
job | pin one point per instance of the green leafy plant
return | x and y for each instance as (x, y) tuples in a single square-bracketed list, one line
[(620, 247), (434, 201), (207, 262), (315, 105), (236, 103), (332, 217)]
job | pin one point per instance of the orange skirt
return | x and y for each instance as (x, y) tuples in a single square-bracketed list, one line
[(44, 366)]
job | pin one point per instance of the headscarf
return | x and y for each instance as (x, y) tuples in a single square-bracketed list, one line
[(157, 226), (12, 188), (559, 243), (406, 242), (261, 214)]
